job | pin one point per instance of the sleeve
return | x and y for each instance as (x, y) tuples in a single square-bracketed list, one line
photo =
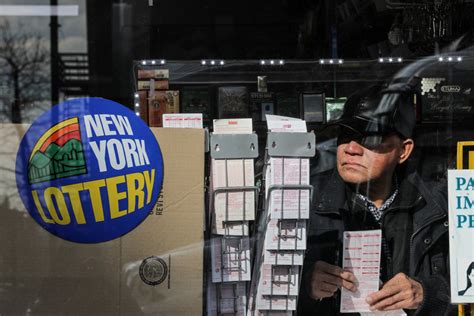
[(306, 304), (436, 296), (323, 244), (436, 283)]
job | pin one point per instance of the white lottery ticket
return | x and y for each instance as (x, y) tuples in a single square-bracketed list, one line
[(226, 298), (221, 227), (398, 312), (267, 305), (295, 202), (285, 124), (361, 256), (230, 259), (278, 280), (275, 303), (294, 258), (275, 313), (182, 120), (228, 173), (232, 126), (285, 235), (273, 118)]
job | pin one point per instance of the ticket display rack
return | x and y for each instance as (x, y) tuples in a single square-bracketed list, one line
[(229, 239), (281, 229)]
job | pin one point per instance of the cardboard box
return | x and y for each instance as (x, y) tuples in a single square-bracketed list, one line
[(153, 74), (43, 274), (162, 102), (156, 84)]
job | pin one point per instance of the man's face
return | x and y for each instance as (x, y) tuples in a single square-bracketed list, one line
[(359, 165)]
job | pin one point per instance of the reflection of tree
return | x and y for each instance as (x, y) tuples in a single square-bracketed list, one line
[(24, 61)]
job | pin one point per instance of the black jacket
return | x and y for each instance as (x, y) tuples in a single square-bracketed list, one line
[(415, 228)]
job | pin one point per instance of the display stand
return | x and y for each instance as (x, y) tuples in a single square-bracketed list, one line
[(234, 249), (281, 145), (234, 298)]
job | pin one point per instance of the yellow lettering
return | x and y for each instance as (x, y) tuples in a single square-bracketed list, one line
[(94, 191), (149, 181), (135, 184), (73, 191), (40, 208), (58, 196), (54, 199), (115, 196)]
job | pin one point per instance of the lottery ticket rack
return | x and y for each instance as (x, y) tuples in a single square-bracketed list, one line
[(250, 275), (230, 237), (277, 268)]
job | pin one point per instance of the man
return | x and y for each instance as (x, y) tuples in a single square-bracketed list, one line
[(370, 190)]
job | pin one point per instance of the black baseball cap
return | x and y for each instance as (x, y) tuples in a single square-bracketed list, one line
[(380, 110)]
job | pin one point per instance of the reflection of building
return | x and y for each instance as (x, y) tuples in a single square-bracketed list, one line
[(73, 75)]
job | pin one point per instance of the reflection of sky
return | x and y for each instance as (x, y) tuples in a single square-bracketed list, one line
[(72, 33)]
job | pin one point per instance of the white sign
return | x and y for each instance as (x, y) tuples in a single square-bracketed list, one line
[(182, 120), (39, 10), (461, 234)]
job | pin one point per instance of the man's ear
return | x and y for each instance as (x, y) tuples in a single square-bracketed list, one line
[(406, 150)]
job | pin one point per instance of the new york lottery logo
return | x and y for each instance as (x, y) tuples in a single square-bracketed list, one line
[(89, 170), (58, 153)]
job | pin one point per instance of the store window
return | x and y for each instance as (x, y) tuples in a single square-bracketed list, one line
[(109, 206)]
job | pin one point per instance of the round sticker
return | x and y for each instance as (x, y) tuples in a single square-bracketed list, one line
[(89, 170), (153, 270)]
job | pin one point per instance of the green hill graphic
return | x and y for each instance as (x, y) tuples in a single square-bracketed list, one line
[(51, 150), (57, 162)]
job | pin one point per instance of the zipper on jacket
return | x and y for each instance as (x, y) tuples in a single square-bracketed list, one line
[(389, 265)]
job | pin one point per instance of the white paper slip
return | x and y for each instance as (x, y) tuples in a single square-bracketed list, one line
[(286, 257), (273, 118), (228, 173), (226, 298), (279, 280), (275, 313), (233, 126), (260, 305), (361, 256), (295, 202), (285, 235), (287, 126), (182, 120), (275, 303), (398, 312), (277, 123), (238, 228), (230, 259)]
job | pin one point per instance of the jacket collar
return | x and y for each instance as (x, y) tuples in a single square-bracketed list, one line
[(432, 209), (331, 193)]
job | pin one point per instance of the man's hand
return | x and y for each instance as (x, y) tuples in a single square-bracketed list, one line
[(326, 279), (400, 292)]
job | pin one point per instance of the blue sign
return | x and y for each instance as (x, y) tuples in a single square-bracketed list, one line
[(89, 170)]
